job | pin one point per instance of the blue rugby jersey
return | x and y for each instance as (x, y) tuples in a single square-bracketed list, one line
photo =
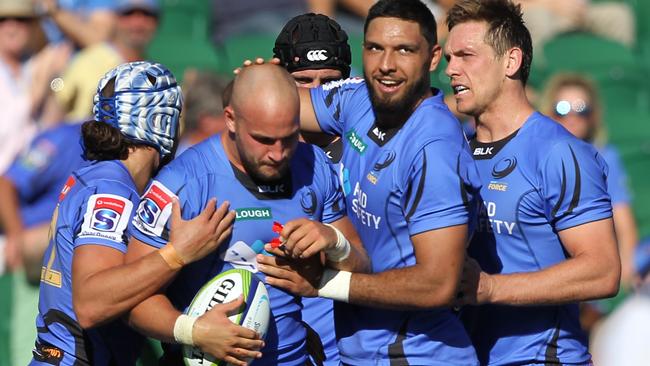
[(95, 207), (311, 190), (537, 182), (398, 183), (40, 171)]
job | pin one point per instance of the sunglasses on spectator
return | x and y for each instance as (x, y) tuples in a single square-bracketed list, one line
[(563, 108), (145, 12), (16, 19)]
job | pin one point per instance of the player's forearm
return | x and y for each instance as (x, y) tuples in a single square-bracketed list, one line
[(308, 121), (110, 293), (155, 317), (627, 237), (357, 262), (10, 219), (404, 288), (579, 278)]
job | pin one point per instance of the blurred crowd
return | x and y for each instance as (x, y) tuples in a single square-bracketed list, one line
[(53, 52)]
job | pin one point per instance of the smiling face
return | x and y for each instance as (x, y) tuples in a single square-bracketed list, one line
[(396, 63), (477, 73)]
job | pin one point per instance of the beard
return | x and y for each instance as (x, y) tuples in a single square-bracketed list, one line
[(393, 112), (253, 167)]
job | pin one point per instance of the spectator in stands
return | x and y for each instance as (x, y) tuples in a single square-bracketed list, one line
[(572, 100), (137, 21), (29, 191), (203, 114), (548, 18), (18, 90), (82, 22), (232, 18)]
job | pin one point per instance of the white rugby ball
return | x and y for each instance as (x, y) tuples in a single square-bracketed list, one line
[(223, 288)]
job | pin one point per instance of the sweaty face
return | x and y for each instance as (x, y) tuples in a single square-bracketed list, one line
[(572, 108), (475, 71), (266, 142), (315, 78), (396, 63)]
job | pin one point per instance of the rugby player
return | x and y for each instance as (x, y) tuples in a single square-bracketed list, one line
[(267, 176), (545, 238), (409, 182), (84, 284)]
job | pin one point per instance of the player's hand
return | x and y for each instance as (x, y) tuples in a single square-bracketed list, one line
[(257, 61), (475, 285), (196, 238), (303, 238), (215, 334), (298, 276)]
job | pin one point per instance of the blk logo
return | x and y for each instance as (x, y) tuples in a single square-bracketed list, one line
[(317, 55), (480, 151), (504, 167), (381, 135)]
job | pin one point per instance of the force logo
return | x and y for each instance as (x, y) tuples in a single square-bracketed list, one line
[(494, 186)]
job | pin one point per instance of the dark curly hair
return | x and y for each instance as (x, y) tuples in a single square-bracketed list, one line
[(104, 142)]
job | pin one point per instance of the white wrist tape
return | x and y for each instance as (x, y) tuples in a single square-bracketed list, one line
[(335, 285), (342, 248), (183, 329)]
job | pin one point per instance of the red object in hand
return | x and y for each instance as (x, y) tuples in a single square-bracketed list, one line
[(275, 242), (277, 227)]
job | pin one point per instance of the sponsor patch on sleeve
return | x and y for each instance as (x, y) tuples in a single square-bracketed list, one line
[(107, 216), (154, 210)]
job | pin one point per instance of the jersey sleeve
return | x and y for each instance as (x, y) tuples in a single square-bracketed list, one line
[(151, 221), (335, 101), (106, 216), (574, 187), (441, 189), (617, 178), (34, 168)]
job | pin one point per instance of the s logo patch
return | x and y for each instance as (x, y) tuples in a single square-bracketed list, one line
[(107, 213), (155, 209), (107, 216)]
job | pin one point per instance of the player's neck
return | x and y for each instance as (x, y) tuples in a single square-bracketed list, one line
[(503, 116), (141, 164), (228, 142)]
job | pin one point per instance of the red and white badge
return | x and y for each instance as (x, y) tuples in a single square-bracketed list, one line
[(154, 210), (107, 216)]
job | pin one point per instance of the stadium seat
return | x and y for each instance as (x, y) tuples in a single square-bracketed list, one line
[(237, 49)]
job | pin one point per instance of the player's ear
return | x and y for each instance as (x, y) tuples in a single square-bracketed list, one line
[(436, 56), (514, 60), (229, 114)]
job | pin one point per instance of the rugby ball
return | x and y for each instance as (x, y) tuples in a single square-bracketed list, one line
[(223, 288)]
